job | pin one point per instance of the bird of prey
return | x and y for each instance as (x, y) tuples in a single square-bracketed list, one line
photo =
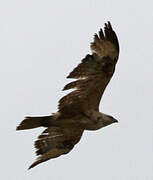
[(79, 110)]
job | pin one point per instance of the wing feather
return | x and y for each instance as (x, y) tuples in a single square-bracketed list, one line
[(86, 67), (92, 74), (54, 142)]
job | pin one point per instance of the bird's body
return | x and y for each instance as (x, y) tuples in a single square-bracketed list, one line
[(79, 110)]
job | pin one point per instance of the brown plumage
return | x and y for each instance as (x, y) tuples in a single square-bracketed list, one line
[(78, 110)]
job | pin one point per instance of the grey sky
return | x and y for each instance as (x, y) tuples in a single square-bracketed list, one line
[(40, 43)]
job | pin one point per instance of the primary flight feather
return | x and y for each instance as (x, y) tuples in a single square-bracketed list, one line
[(78, 110)]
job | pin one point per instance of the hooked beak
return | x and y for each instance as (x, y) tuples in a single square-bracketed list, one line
[(115, 121)]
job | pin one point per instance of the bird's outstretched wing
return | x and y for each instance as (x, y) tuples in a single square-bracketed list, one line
[(92, 74), (55, 141)]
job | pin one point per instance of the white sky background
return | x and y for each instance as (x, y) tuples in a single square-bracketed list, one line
[(40, 43)]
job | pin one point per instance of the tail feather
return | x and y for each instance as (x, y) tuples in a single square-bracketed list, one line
[(34, 122)]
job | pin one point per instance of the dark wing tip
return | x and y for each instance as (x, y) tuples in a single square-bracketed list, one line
[(107, 28), (17, 128), (110, 35), (38, 161), (20, 126), (101, 34), (33, 165), (96, 37), (105, 34), (105, 25), (109, 25), (69, 76)]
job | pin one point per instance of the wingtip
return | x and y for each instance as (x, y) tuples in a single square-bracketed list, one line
[(101, 34), (17, 128), (29, 168), (96, 37), (68, 76), (32, 165), (108, 26)]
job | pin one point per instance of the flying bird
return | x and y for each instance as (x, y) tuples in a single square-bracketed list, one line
[(79, 110)]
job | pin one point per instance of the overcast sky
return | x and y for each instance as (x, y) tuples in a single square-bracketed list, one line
[(40, 43)]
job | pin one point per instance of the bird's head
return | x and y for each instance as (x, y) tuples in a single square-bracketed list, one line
[(107, 120)]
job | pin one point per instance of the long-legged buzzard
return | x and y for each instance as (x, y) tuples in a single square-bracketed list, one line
[(79, 110)]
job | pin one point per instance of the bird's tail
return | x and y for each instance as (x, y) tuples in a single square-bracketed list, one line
[(34, 122)]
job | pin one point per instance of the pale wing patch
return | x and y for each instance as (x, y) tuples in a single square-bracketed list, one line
[(104, 48)]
